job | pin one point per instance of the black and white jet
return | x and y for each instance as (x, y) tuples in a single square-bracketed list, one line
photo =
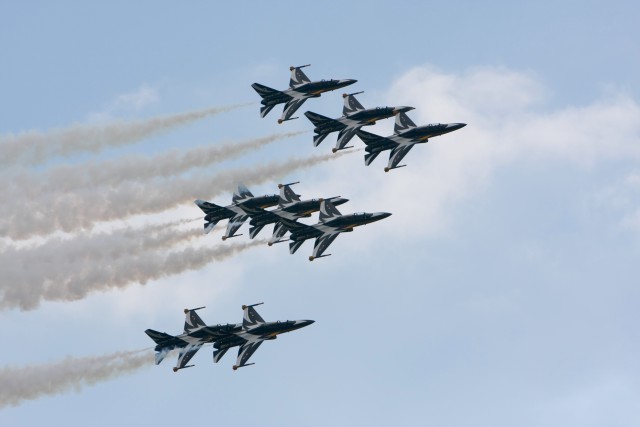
[(406, 135), (354, 116), (331, 224), (248, 335), (289, 207), (300, 89), (243, 203)]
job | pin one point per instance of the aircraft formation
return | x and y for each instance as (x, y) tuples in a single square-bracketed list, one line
[(248, 336), (354, 116), (284, 210), (245, 205)]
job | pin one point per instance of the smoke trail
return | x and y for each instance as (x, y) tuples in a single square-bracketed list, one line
[(35, 147), (71, 373), (139, 168), (30, 278), (59, 260), (82, 209)]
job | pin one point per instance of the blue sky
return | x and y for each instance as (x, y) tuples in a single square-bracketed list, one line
[(502, 291)]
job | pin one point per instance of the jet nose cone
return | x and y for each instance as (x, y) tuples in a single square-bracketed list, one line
[(380, 215), (347, 82), (403, 109), (456, 126), (339, 201), (303, 323)]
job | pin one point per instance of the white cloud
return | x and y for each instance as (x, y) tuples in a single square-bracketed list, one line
[(128, 102), (507, 122)]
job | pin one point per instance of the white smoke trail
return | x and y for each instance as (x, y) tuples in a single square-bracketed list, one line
[(30, 382), (132, 168), (35, 147), (53, 274), (81, 210)]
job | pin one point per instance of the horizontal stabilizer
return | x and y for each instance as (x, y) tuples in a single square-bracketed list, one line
[(266, 91), (317, 139), (253, 231), (160, 355), (294, 246), (265, 110), (217, 354), (319, 120), (372, 140), (165, 343), (208, 226), (207, 207), (370, 157), (160, 338)]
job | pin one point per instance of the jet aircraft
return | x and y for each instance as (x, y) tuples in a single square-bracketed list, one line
[(290, 207), (354, 116), (237, 212), (300, 89), (331, 224), (406, 135), (248, 335)]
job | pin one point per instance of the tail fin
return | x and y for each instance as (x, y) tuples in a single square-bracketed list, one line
[(351, 104), (370, 157), (297, 76), (242, 193), (192, 320), (287, 195), (328, 211), (403, 122)]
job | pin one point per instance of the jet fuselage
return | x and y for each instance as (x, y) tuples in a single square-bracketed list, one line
[(417, 135), (232, 335), (296, 210), (315, 89), (340, 224)]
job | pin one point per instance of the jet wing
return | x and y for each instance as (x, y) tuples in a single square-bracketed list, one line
[(322, 243), (398, 154), (291, 107), (245, 351), (373, 141), (186, 354)]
